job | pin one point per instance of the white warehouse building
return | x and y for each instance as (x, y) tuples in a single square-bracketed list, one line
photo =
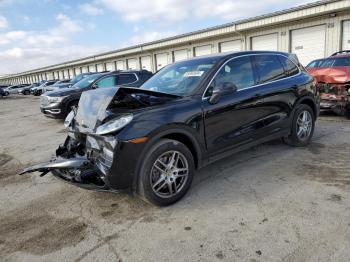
[(311, 31)]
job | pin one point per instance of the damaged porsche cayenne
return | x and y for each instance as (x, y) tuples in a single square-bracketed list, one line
[(191, 113)]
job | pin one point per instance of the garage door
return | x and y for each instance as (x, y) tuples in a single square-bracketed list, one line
[(110, 66), (66, 74), (309, 43), (265, 42), (92, 68), (77, 71), (71, 73), (120, 65), (84, 69), (132, 63), (346, 35), (161, 60), (202, 50), (146, 63), (100, 68), (61, 75), (231, 46), (180, 55)]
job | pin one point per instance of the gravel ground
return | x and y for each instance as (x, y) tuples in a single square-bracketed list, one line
[(269, 203)]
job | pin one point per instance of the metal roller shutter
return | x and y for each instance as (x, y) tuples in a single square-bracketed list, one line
[(77, 71), (202, 50), (309, 43), (110, 66), (146, 63), (84, 69), (231, 46), (61, 75), (180, 55), (100, 68), (132, 63), (120, 65), (346, 35), (265, 42), (162, 60), (71, 73), (92, 68)]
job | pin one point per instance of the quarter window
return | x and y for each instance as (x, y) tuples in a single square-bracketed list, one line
[(268, 68), (238, 71), (126, 79), (290, 68)]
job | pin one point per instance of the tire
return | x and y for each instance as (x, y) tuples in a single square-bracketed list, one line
[(70, 105), (304, 138), (158, 187), (7, 93), (26, 92)]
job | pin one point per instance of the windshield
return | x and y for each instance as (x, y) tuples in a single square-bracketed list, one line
[(332, 62), (86, 82), (180, 78)]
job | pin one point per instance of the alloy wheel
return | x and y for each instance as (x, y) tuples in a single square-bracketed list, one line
[(169, 174), (304, 125)]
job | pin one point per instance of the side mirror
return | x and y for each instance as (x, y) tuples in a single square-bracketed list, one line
[(224, 88), (94, 86)]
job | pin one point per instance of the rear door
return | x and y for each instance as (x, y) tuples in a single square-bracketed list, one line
[(235, 119), (277, 84), (126, 79)]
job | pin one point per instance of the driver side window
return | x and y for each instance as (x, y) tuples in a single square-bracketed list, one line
[(238, 71), (106, 82)]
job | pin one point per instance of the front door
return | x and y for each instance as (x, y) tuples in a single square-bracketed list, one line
[(236, 118)]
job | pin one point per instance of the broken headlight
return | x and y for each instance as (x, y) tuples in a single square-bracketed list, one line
[(114, 125)]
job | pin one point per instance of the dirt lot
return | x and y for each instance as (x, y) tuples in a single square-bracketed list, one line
[(270, 203)]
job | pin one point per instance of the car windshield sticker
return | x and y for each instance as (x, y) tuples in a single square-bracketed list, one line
[(193, 73)]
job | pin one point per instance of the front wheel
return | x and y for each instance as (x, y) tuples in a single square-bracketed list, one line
[(167, 172), (302, 128), (7, 93)]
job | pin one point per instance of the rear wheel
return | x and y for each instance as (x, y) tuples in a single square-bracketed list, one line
[(26, 92), (7, 93), (302, 128), (167, 173)]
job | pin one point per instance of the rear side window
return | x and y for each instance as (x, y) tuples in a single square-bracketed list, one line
[(290, 68), (126, 79), (268, 68)]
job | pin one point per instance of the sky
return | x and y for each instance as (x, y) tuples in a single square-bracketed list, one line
[(39, 33)]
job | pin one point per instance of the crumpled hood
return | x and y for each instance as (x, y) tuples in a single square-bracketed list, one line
[(333, 75), (96, 105), (92, 108)]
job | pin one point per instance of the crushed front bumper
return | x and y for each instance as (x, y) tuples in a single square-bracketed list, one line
[(84, 162)]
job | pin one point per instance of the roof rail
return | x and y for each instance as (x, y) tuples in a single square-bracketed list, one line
[(341, 52)]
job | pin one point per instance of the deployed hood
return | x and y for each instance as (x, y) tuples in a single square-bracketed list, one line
[(332, 75), (101, 103)]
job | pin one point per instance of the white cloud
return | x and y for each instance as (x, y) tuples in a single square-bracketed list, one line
[(90, 9), (3, 22), (23, 50), (20, 59), (177, 10)]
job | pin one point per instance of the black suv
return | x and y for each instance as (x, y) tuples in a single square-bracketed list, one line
[(58, 104), (187, 115)]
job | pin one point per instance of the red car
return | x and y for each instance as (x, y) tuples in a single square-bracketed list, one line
[(333, 81)]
